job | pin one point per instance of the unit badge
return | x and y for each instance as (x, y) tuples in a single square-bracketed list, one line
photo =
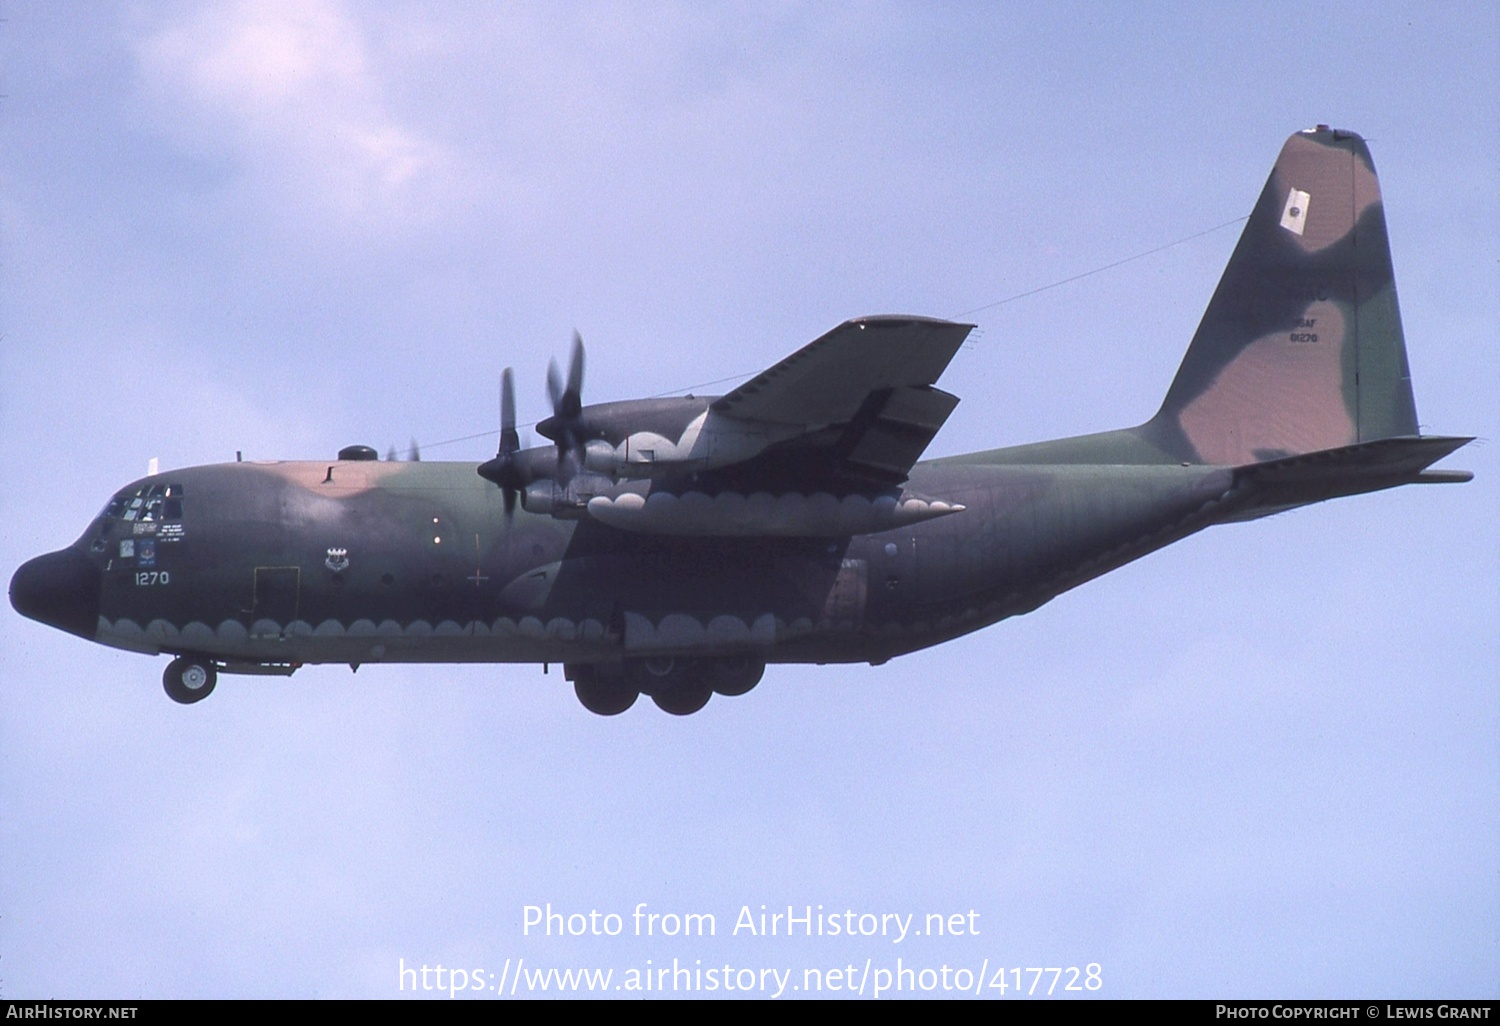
[(337, 561)]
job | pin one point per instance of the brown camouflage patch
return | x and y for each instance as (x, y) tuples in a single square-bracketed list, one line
[(1231, 422)]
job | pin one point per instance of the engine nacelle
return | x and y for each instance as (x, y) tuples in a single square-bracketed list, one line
[(600, 457), (568, 502)]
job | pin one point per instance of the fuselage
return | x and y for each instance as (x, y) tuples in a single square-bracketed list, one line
[(365, 562)]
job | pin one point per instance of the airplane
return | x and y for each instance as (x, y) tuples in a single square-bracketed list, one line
[(674, 547)]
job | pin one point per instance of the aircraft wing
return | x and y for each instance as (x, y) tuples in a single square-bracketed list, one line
[(863, 398), (828, 380)]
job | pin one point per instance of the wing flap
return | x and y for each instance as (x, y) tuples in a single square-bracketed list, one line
[(901, 432)]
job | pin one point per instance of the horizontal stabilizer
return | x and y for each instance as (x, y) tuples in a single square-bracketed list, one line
[(1283, 484)]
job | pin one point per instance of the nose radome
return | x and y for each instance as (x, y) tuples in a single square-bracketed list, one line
[(60, 589)]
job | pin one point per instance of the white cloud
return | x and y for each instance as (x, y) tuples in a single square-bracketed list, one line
[(290, 91)]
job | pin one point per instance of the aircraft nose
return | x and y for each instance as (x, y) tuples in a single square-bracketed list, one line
[(60, 589)]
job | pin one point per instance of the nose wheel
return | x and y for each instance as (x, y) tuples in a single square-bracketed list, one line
[(189, 679)]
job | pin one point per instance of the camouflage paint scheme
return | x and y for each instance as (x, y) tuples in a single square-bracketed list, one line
[(788, 521)]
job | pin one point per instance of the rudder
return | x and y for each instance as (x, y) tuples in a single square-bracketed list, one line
[(1301, 347)]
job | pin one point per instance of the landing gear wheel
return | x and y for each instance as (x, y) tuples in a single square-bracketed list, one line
[(189, 679), (603, 696), (683, 699), (736, 676)]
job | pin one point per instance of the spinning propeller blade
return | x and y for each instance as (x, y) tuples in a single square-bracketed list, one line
[(565, 427), (505, 470)]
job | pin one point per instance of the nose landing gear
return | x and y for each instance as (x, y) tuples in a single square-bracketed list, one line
[(189, 679)]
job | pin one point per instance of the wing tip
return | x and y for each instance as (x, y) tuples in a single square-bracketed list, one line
[(879, 321)]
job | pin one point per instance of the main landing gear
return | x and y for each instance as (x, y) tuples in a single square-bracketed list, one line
[(677, 686), (189, 679)]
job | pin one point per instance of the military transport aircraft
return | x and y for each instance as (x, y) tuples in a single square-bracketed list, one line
[(675, 547)]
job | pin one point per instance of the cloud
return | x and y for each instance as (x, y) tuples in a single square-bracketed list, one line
[(290, 91)]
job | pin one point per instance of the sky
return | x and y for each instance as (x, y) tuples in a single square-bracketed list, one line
[(1264, 762)]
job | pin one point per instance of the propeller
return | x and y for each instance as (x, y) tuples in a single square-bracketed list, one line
[(565, 427), (505, 469)]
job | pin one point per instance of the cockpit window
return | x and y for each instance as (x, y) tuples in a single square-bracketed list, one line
[(148, 504)]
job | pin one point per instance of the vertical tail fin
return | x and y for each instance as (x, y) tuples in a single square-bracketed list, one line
[(1301, 347)]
